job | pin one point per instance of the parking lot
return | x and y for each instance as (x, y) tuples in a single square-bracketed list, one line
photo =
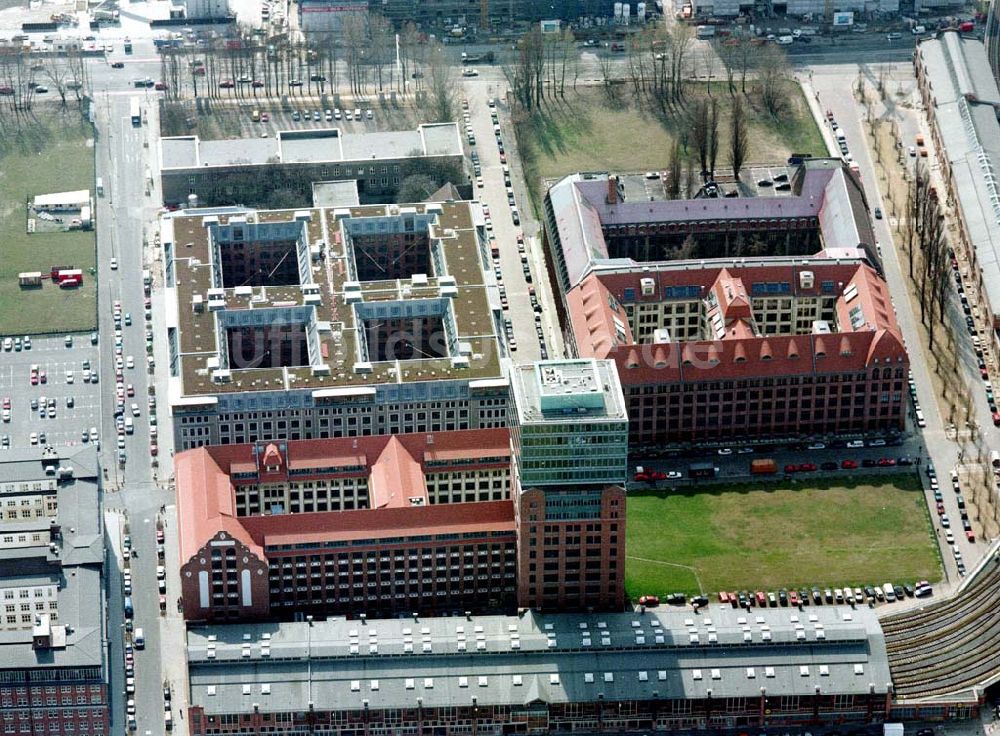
[(755, 181), (64, 425), (318, 111)]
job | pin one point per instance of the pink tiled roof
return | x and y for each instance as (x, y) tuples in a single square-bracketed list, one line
[(206, 499)]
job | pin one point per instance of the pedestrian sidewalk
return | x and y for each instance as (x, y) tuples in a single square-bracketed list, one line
[(173, 633)]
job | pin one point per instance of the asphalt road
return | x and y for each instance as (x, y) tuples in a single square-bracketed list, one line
[(830, 85), (494, 196), (134, 496), (733, 461), (870, 47)]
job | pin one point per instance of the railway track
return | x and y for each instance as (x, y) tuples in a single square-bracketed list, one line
[(949, 645)]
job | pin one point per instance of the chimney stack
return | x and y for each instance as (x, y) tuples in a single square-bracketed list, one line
[(612, 190)]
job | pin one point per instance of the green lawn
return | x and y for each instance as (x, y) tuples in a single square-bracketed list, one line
[(586, 132), (779, 535), (51, 153)]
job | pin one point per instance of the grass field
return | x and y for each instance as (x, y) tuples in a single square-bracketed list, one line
[(587, 133), (52, 153), (782, 535)]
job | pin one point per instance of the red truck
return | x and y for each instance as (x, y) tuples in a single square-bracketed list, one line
[(68, 277), (763, 466)]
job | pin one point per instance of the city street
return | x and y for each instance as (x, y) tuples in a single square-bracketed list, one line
[(135, 491), (494, 196), (733, 463), (829, 83)]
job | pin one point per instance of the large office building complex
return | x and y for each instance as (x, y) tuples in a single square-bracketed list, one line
[(796, 8), (330, 323), (570, 440), (656, 671), (247, 171), (53, 644), (374, 525), (730, 347), (205, 9), (432, 522), (961, 97), (328, 16), (432, 14)]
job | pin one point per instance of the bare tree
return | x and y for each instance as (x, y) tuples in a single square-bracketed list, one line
[(353, 39), (745, 55), (912, 213), (728, 53), (681, 40), (607, 66), (934, 260), (772, 78), (674, 172), (443, 86), (57, 73), (713, 137), (689, 177), (170, 65), (79, 72), (569, 59), (525, 70), (700, 127), (686, 250), (739, 136), (381, 44), (20, 76), (409, 42)]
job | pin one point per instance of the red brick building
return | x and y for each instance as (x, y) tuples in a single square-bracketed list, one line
[(576, 563), (380, 525), (732, 317), (751, 348)]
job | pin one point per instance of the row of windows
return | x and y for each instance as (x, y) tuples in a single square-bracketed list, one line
[(54, 727), (855, 379), (48, 591)]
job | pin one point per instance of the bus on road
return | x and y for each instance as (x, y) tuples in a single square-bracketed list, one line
[(136, 112)]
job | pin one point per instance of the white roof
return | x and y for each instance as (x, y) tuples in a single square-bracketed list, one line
[(79, 196)]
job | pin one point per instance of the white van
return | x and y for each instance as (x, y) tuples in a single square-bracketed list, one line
[(129, 425), (921, 422), (139, 638), (890, 594)]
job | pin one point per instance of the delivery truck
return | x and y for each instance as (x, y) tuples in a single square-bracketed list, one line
[(763, 466)]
